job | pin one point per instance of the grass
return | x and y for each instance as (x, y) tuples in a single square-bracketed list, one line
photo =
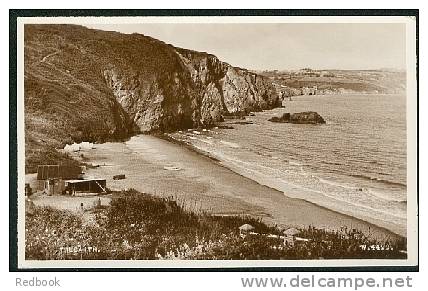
[(37, 154), (145, 227)]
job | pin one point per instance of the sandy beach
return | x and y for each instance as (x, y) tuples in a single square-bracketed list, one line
[(156, 166)]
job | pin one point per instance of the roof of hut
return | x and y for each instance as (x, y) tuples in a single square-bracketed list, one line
[(58, 171), (246, 227), (291, 231)]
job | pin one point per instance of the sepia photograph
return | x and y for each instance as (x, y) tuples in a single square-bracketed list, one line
[(216, 141)]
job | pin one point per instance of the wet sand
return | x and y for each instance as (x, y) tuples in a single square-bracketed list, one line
[(156, 166)]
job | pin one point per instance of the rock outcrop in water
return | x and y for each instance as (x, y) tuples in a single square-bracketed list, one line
[(84, 84), (309, 117)]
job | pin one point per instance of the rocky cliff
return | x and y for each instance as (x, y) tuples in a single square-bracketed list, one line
[(83, 84)]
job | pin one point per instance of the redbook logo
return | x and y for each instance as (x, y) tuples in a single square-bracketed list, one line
[(36, 282)]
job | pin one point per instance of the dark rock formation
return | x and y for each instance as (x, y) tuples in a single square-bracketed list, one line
[(285, 118), (242, 122), (308, 117), (224, 126)]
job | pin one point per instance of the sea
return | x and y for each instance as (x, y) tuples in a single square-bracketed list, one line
[(354, 164)]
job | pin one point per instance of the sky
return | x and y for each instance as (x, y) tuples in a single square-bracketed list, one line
[(285, 46)]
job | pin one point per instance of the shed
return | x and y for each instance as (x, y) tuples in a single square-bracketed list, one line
[(52, 177), (73, 187), (245, 229), (290, 236), (288, 241), (54, 186)]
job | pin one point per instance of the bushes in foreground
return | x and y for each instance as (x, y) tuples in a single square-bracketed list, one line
[(141, 226)]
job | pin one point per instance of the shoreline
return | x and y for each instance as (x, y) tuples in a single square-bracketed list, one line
[(168, 138), (220, 191)]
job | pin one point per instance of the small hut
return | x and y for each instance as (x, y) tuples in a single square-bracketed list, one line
[(54, 186), (52, 177), (74, 187), (245, 229), (290, 236)]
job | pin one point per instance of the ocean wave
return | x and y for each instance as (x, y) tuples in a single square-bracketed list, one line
[(206, 141), (263, 175), (230, 144), (337, 184), (355, 205), (297, 168), (367, 191), (383, 181), (332, 163), (380, 195)]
